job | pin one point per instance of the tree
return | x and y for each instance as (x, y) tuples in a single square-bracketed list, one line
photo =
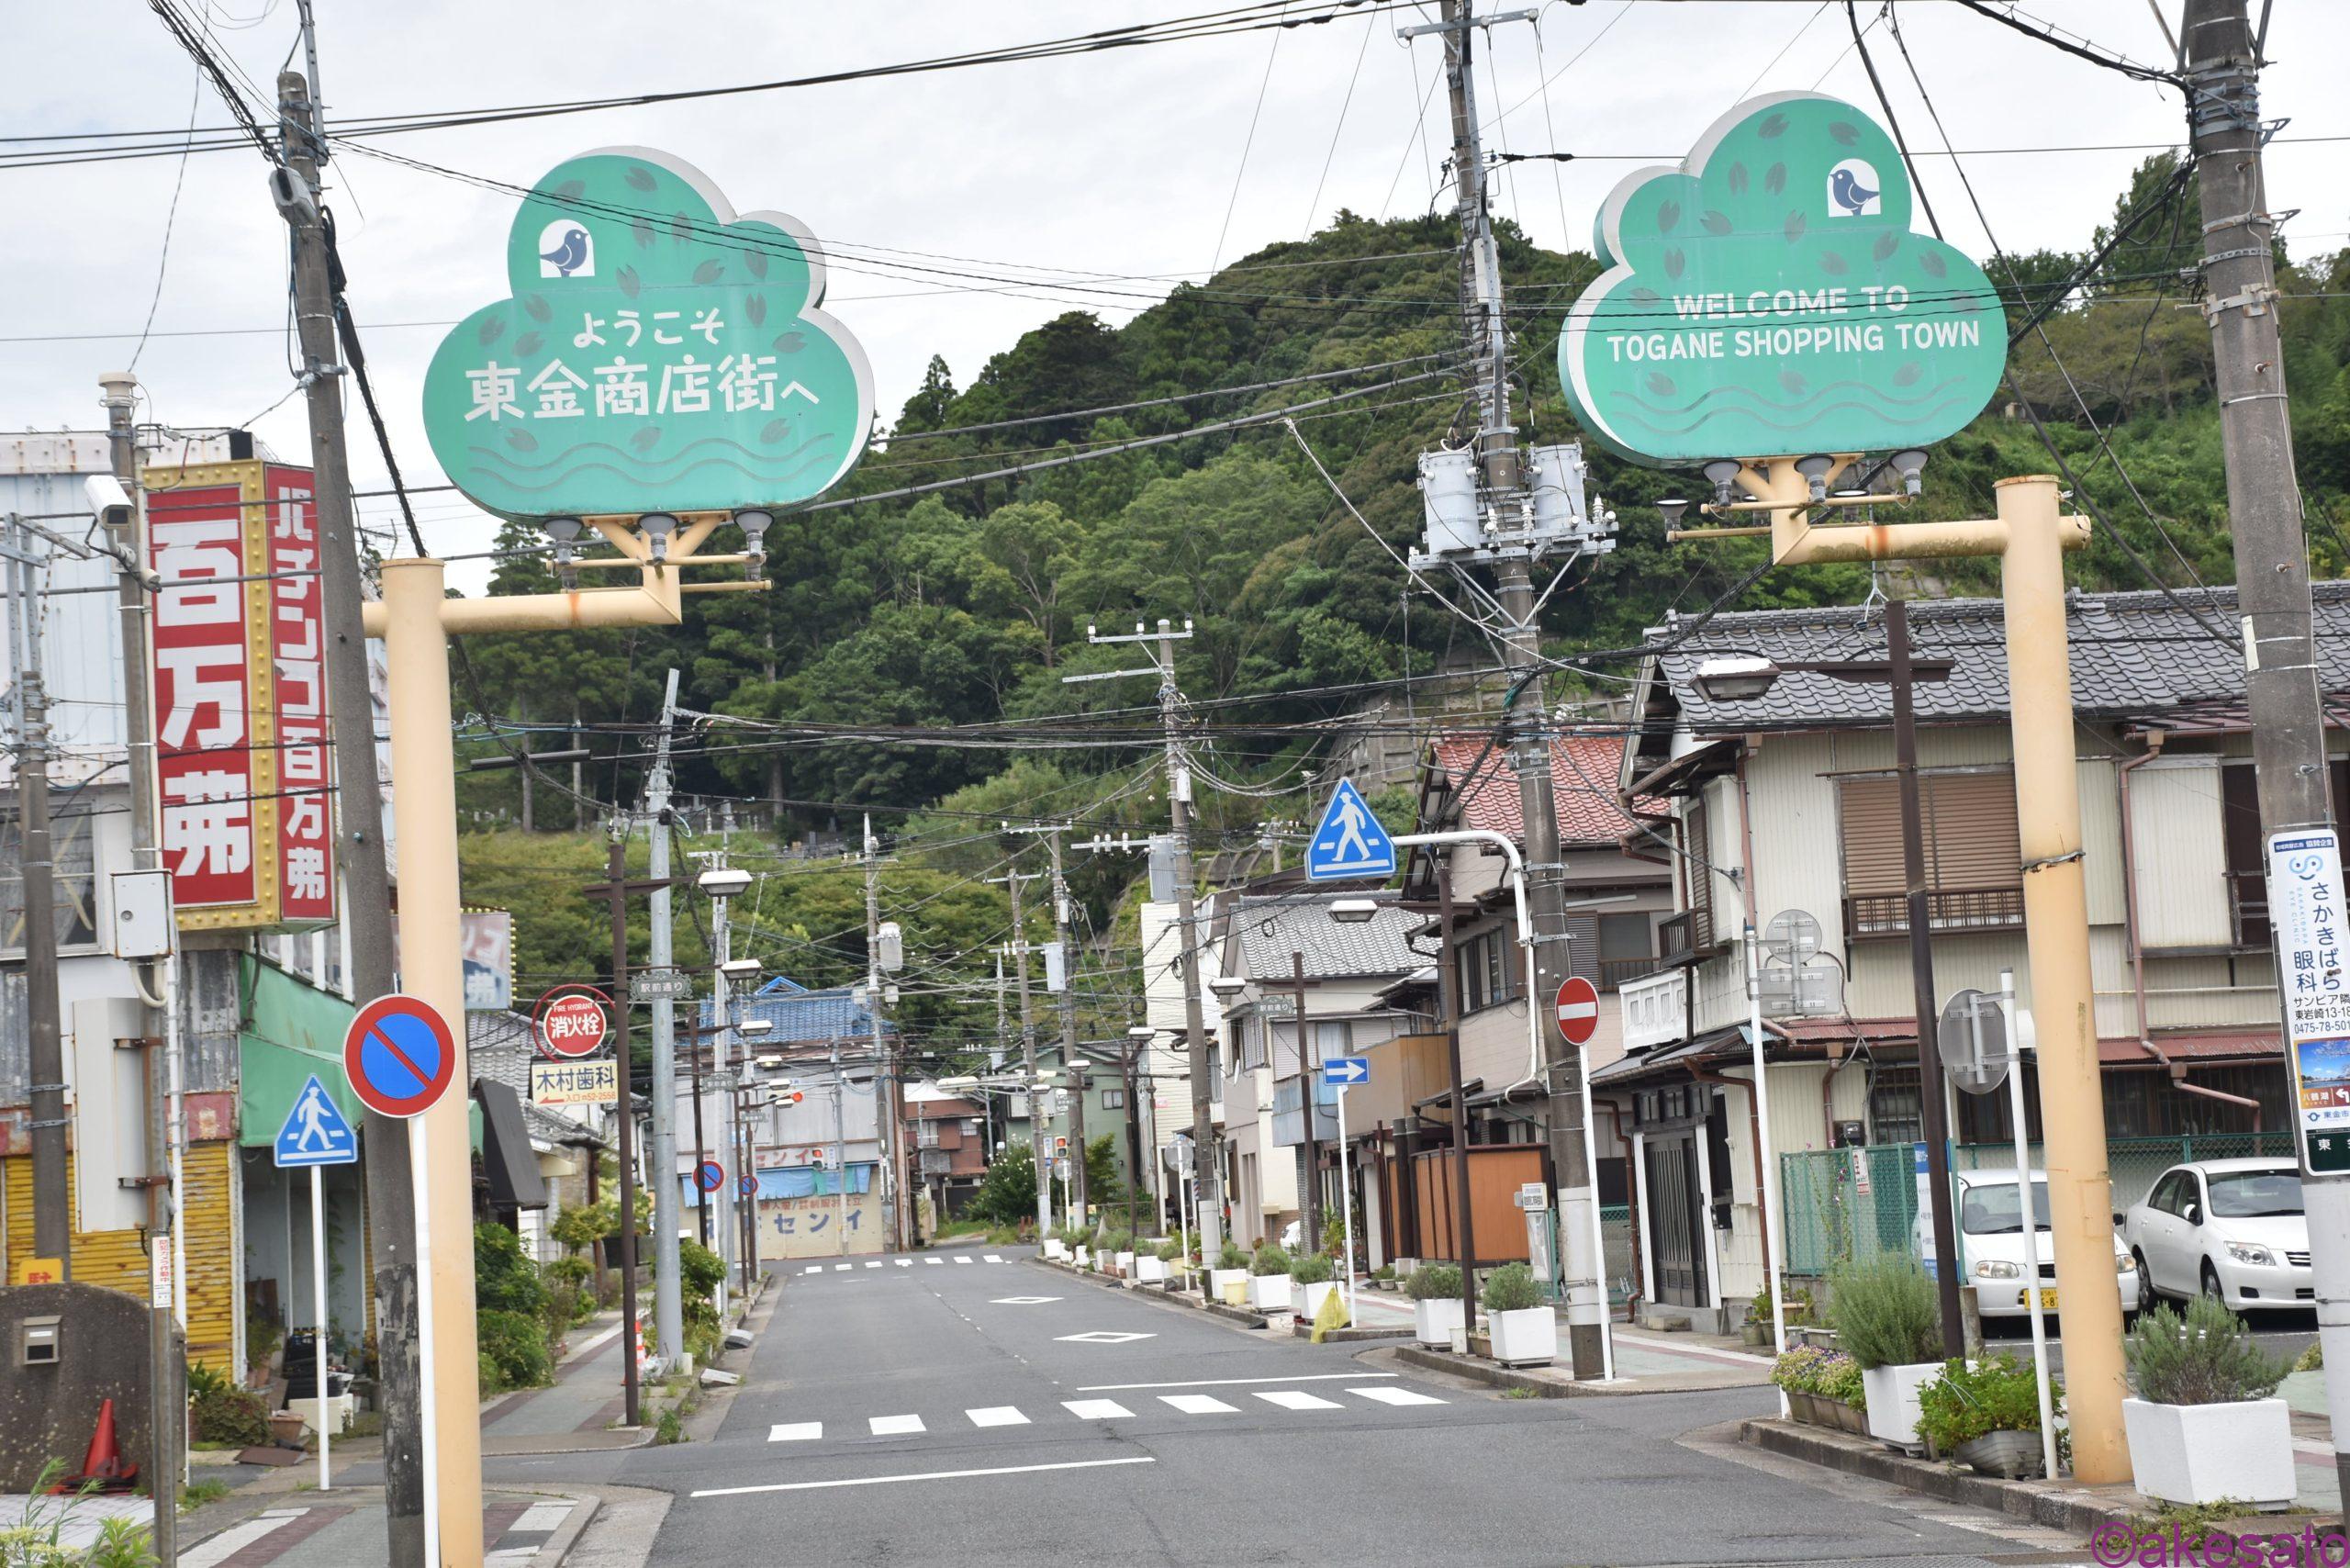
[(1007, 1194), (1103, 1190)]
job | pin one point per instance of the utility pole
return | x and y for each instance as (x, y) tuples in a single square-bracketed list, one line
[(392, 1206), (2221, 56), (37, 873), (886, 1098), (1208, 1184), (1036, 1145), (1523, 729), (668, 1312), (158, 1025), (1073, 1061), (614, 889), (1309, 1197)]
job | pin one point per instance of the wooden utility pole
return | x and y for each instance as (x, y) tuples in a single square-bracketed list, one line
[(615, 890)]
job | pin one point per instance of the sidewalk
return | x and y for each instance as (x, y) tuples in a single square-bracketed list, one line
[(338, 1528), (581, 1412)]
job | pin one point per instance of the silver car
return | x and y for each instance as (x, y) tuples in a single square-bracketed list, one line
[(2231, 1229)]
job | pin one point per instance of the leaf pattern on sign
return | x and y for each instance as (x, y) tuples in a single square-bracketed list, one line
[(647, 438), (756, 260), (1795, 226), (528, 343), (640, 177), (1715, 222), (790, 342), (1661, 383), (1907, 375), (1772, 127), (1832, 264), (1643, 294), (628, 282), (708, 271), (570, 190), (756, 308), (1667, 215), (1674, 262), (537, 308), (681, 224), (1845, 132), (1793, 382), (492, 328), (774, 431), (1886, 243), (1774, 179), (642, 232), (1737, 179), (1933, 264), (521, 441)]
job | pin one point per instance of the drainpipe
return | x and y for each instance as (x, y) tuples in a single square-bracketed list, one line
[(2175, 1072)]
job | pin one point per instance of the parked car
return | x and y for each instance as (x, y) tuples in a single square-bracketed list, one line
[(1991, 1245), (2233, 1229)]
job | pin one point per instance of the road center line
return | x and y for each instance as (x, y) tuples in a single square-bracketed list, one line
[(1229, 1382), (926, 1476)]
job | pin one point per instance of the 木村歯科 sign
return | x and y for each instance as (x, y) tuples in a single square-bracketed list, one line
[(656, 352), (1769, 296)]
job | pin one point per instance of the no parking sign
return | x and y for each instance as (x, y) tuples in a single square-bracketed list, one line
[(399, 1056)]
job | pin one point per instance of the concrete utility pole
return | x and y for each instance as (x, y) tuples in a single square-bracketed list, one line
[(36, 874), (2222, 66), (1525, 732), (1309, 1191), (668, 1320), (1036, 1145), (888, 1104), (391, 1174), (1072, 1063), (614, 889), (158, 1025)]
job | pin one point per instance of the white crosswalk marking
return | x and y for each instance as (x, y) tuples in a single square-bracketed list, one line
[(934, 1262), (997, 1416), (894, 1426), (810, 1269), (1396, 1397), (1295, 1399), (842, 1268), (236, 1538), (795, 1431), (1199, 1404), (992, 1258), (1097, 1410), (962, 1257), (904, 1262), (874, 1264)]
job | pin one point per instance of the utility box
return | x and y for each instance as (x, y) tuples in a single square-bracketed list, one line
[(107, 1071), (142, 914)]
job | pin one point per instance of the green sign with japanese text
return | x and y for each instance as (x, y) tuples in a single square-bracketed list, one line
[(657, 353), (1768, 296)]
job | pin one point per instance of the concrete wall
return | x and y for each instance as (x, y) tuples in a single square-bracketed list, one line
[(48, 1412)]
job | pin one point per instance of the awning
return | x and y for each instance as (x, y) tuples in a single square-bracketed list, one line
[(507, 1162), (797, 1182), (292, 1030)]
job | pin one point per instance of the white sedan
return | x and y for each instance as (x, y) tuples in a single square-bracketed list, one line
[(1991, 1245), (2231, 1229)]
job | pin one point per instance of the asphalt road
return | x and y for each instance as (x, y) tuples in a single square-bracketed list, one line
[(982, 1413)]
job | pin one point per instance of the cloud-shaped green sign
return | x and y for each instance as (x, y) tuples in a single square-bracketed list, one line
[(1768, 298), (658, 354)]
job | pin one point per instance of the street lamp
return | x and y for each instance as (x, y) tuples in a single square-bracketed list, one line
[(723, 881), (756, 1026), (1740, 677), (1353, 912), (739, 969)]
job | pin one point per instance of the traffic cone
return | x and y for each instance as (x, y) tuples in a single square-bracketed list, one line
[(102, 1466)]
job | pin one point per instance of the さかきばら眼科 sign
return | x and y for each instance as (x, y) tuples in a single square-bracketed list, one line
[(1768, 296), (657, 353)]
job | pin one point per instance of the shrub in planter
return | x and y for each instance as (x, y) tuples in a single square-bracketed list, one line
[(1234, 1256), (1270, 1259), (1523, 1328), (1310, 1281), (1435, 1290), (515, 1345), (220, 1412), (2203, 1426), (1987, 1414), (1822, 1387), (1888, 1320), (1170, 1251), (1269, 1279)]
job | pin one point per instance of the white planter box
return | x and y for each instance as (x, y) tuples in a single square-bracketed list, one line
[(1083, 1261), (1228, 1285), (1056, 1248), (1151, 1271), (1892, 1394), (1306, 1300), (1527, 1337), (2193, 1454), (1269, 1292), (1125, 1263), (1436, 1321)]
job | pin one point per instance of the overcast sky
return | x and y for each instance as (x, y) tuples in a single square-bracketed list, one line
[(1116, 171)]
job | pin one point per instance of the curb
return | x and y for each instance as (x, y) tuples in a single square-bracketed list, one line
[(2055, 1507), (1182, 1299), (1495, 1375), (566, 1534), (1349, 1336)]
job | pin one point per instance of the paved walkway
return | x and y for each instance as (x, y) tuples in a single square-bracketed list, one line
[(584, 1397), (345, 1529)]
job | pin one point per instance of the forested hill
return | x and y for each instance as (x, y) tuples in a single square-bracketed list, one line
[(968, 605)]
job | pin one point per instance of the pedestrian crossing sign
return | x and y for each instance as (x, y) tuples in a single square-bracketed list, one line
[(1349, 844), (316, 1131)]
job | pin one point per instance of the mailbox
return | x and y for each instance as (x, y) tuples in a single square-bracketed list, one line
[(39, 1340)]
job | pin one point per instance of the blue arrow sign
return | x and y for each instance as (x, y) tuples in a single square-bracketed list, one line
[(1349, 844), (316, 1131), (1346, 1070)]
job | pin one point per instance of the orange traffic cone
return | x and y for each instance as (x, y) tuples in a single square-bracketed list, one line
[(102, 1466)]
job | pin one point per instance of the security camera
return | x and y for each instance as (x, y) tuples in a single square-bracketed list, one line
[(109, 502), (295, 203)]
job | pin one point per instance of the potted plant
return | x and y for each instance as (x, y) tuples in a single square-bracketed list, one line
[(1823, 1387), (1525, 1331), (1269, 1279), (1311, 1282), (1987, 1414), (1435, 1290), (2203, 1425), (1756, 1329), (1228, 1281), (1889, 1321)]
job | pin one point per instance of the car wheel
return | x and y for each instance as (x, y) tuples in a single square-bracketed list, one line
[(2147, 1294), (2212, 1284)]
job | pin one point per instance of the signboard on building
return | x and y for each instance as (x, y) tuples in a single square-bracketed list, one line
[(485, 947), (248, 803), (1769, 295), (2305, 904), (576, 1082), (657, 351)]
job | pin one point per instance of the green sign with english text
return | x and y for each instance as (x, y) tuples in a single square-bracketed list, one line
[(657, 353), (1768, 296)]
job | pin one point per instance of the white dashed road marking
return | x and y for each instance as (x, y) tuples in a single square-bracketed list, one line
[(934, 1262), (927, 1475), (1197, 1405), (895, 1425), (874, 1264), (962, 1257), (841, 1268), (997, 1416), (1097, 1410), (1226, 1382), (1296, 1399), (795, 1431), (992, 1258), (1396, 1397)]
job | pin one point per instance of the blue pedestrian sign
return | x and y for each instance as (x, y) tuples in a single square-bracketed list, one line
[(1343, 1070), (316, 1131), (1349, 844)]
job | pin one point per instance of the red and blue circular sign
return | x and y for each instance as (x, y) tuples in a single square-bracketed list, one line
[(748, 1186), (708, 1176), (399, 1056)]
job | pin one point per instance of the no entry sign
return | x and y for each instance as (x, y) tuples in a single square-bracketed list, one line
[(1578, 1010), (570, 1023), (399, 1056)]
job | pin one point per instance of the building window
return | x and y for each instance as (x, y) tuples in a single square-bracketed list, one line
[(1487, 978), (1974, 859), (1113, 1098), (77, 884), (925, 1134), (1697, 875), (1896, 1111)]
